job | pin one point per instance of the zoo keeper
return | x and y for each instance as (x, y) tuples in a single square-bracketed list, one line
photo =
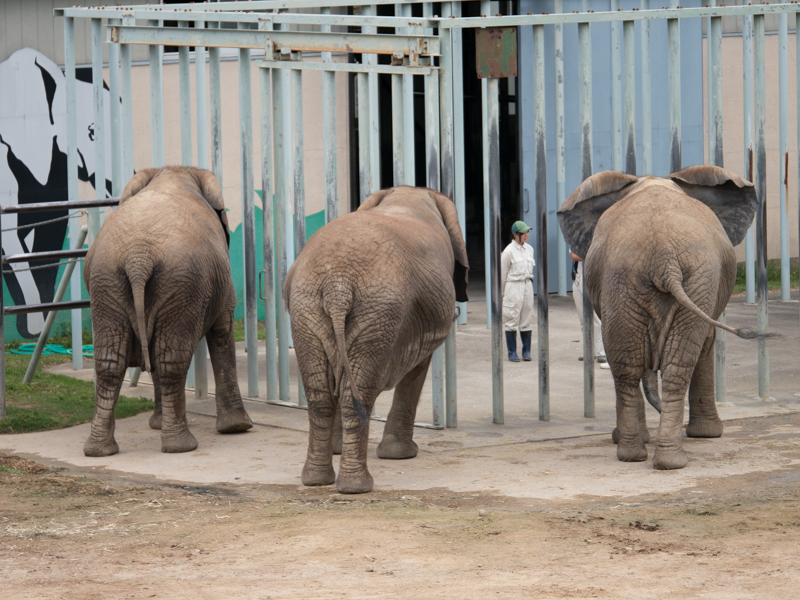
[(517, 264)]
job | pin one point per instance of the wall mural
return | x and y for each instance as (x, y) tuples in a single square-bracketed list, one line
[(33, 168)]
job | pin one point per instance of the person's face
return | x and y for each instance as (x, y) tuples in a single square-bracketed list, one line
[(522, 237)]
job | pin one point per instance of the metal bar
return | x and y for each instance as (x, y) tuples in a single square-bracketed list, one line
[(295, 40), (364, 166), (437, 387), (185, 102), (647, 105), (348, 67), (374, 109), (39, 256), (451, 400), (487, 239), (432, 153), (458, 138), (99, 127), (630, 97), (783, 129), (248, 221), (127, 109), (51, 315), (674, 68), (747, 68), (299, 182), (279, 108), (616, 85), (585, 94), (494, 297), (540, 166), (51, 206), (48, 306), (398, 153), (561, 173), (117, 183), (268, 224), (761, 188), (797, 83), (3, 346), (215, 99), (156, 105), (72, 182), (427, 11), (408, 118), (329, 132)]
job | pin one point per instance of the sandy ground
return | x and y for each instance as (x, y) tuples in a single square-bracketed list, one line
[(527, 509)]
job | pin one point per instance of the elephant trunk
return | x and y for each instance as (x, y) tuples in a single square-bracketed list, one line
[(138, 275)]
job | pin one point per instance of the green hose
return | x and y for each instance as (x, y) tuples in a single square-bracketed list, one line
[(27, 349)]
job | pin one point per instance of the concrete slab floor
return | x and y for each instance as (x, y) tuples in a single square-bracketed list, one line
[(523, 457)]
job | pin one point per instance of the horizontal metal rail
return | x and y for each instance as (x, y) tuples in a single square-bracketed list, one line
[(347, 67), (39, 256), (48, 206), (46, 307), (294, 40)]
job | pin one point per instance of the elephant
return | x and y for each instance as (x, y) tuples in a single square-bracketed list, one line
[(370, 297), (159, 279), (659, 269)]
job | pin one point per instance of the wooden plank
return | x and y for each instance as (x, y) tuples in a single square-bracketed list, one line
[(13, 25), (58, 33)]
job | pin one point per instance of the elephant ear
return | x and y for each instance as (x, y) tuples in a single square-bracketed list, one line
[(733, 199), (375, 199), (137, 183), (461, 267), (212, 192), (579, 214)]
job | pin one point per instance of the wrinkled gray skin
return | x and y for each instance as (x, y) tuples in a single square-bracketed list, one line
[(659, 269), (370, 297), (159, 279)]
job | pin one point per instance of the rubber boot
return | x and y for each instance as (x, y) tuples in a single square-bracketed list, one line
[(511, 341), (526, 344)]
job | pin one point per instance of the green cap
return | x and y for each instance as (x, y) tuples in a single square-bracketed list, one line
[(520, 227)]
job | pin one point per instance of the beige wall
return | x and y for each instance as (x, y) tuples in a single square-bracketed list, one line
[(733, 136)]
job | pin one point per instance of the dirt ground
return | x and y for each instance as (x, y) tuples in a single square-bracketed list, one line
[(77, 533)]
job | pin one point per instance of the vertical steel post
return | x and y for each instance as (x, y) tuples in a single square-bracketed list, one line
[(797, 92), (487, 239), (783, 129), (3, 346), (710, 137), (540, 162), (279, 109), (616, 85), (215, 99), (185, 101), (585, 99), (458, 136), (116, 134), (451, 401), (156, 103), (561, 194), (494, 295), (99, 127), (364, 164), (269, 234), (329, 133), (761, 189), (127, 107), (298, 169), (397, 130), (647, 105), (630, 97), (747, 68), (715, 156), (674, 67), (72, 180), (248, 220), (408, 118)]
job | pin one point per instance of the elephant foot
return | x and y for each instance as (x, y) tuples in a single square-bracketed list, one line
[(103, 448), (182, 441), (645, 435), (155, 420), (392, 448), (615, 435), (234, 421), (704, 428), (359, 482), (317, 475), (669, 459), (632, 452)]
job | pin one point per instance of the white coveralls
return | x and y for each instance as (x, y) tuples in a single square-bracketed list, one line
[(577, 296), (517, 264)]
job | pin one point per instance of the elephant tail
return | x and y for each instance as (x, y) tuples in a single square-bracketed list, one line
[(138, 278), (338, 315)]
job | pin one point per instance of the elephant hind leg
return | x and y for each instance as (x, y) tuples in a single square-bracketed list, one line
[(669, 453), (397, 442), (231, 414), (704, 421), (628, 434), (643, 431), (113, 335)]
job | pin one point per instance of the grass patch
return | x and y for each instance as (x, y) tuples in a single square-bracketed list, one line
[(10, 470), (773, 276), (53, 401), (238, 330)]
